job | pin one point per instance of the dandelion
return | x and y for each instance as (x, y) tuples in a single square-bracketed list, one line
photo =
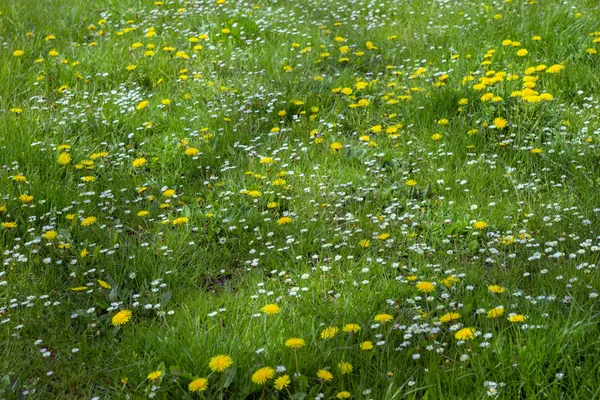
[(139, 162), (121, 318), (49, 235), (345, 367), (517, 318), (495, 312), (284, 221), (410, 182), (198, 385), (448, 317), (366, 345), (180, 221), (500, 123), (18, 53), (220, 363), (191, 151), (295, 343), (425, 287), (152, 376), (336, 146), (282, 382), (496, 289), (480, 225), (343, 395), (465, 334), (88, 221), (325, 375), (383, 318), (142, 104), (365, 243), (104, 284), (351, 328), (262, 375), (329, 332), (271, 309), (64, 159), (9, 225)]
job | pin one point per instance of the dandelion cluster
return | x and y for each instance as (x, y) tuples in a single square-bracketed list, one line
[(325, 200)]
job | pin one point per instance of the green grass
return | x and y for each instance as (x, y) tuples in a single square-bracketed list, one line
[(198, 268)]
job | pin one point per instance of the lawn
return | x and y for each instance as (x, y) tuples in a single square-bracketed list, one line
[(365, 199)]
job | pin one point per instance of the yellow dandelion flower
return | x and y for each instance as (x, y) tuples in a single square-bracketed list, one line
[(329, 332), (263, 375), (121, 318), (282, 382), (425, 287), (295, 343), (198, 385), (271, 309), (88, 221), (220, 363), (325, 375), (465, 334), (154, 375), (351, 328), (64, 158)]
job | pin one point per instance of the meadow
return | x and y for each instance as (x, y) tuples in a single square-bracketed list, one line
[(364, 199)]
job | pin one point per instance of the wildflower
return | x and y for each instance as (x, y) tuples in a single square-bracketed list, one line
[(465, 334), (365, 243), (25, 198), (282, 382), (383, 318), (335, 146), (517, 318), (522, 52), (495, 312), (64, 158), (480, 225), (329, 332), (343, 395), (121, 318), (345, 367), (325, 375), (19, 178), (536, 150), (191, 151), (198, 385), (425, 287), (496, 289), (366, 345), (139, 162), (410, 182), (220, 363), (154, 375), (9, 225), (284, 220), (500, 123), (142, 104), (104, 284), (351, 328), (271, 309), (49, 235), (262, 375), (295, 343), (448, 317), (555, 69), (88, 221), (181, 221)]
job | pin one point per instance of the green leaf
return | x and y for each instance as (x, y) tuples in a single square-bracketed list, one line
[(299, 396), (229, 377)]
